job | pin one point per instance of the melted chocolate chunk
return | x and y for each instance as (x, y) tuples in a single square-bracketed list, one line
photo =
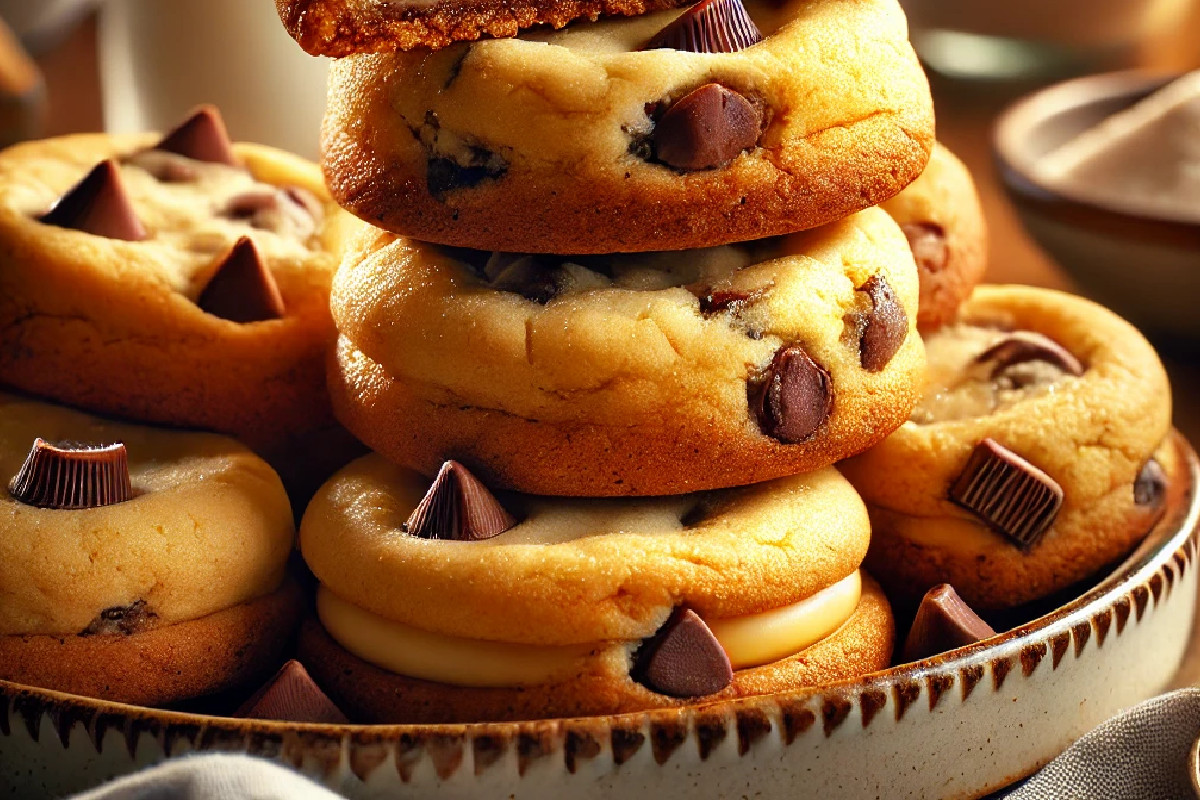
[(1009, 494), (683, 659), (711, 26), (794, 399), (927, 240), (944, 621), (1150, 487), (98, 205), (885, 327), (121, 620), (71, 475), (242, 289), (444, 175), (292, 696), (202, 137), (458, 507), (706, 129), (1022, 347)]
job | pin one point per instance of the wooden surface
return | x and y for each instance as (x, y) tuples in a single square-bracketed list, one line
[(966, 115)]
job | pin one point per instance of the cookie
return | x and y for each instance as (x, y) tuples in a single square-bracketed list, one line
[(581, 606), (340, 27), (943, 220), (1035, 458), (584, 141), (164, 288), (642, 374), (137, 564)]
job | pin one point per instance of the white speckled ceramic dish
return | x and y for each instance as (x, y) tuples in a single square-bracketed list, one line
[(958, 725)]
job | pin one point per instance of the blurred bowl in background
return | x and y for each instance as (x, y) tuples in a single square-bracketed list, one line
[(39, 24), (1145, 268), (1033, 39)]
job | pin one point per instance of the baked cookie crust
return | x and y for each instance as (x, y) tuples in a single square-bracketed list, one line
[(542, 143)]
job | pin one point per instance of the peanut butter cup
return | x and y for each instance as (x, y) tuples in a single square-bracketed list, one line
[(72, 475)]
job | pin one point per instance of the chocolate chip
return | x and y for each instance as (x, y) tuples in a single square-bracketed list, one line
[(444, 175), (291, 211), (121, 620), (202, 137), (794, 399), (712, 26), (886, 326), (242, 289), (1009, 494), (706, 128), (683, 659), (927, 240), (73, 476), (1022, 347), (944, 621), (731, 300), (98, 205), (458, 507), (1150, 487), (292, 696)]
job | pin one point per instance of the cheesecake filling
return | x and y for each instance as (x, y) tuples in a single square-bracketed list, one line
[(749, 641)]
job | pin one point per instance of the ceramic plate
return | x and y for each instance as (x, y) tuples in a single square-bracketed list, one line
[(958, 725)]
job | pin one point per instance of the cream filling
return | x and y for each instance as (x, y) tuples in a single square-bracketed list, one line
[(757, 639), (749, 641)]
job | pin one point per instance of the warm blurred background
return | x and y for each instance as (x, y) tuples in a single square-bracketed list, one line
[(982, 55)]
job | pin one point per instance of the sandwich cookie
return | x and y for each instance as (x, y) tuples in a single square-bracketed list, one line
[(138, 565), (647, 374), (1036, 457), (668, 131), (943, 220), (441, 602), (181, 280)]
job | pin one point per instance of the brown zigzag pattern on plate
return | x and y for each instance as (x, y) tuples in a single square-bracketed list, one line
[(1059, 643), (938, 685), (752, 725)]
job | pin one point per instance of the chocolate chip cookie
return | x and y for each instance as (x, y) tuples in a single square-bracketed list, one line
[(564, 607), (180, 280), (646, 374), (943, 220), (136, 564), (1035, 458), (617, 136)]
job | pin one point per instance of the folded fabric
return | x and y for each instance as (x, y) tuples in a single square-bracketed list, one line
[(212, 777), (1143, 754)]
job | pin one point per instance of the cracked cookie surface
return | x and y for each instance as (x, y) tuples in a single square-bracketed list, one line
[(1089, 410), (643, 374), (460, 146), (114, 326)]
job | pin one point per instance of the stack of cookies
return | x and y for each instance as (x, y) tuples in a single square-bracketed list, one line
[(621, 298)]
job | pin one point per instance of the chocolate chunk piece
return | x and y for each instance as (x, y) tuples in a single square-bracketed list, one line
[(731, 300), (121, 620), (706, 129), (886, 326), (1012, 496), (242, 289), (459, 507), (711, 26), (1150, 487), (98, 205), (944, 621), (1021, 347), (927, 240), (293, 211), (683, 659), (202, 137), (795, 399), (72, 476), (292, 696), (444, 175)]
